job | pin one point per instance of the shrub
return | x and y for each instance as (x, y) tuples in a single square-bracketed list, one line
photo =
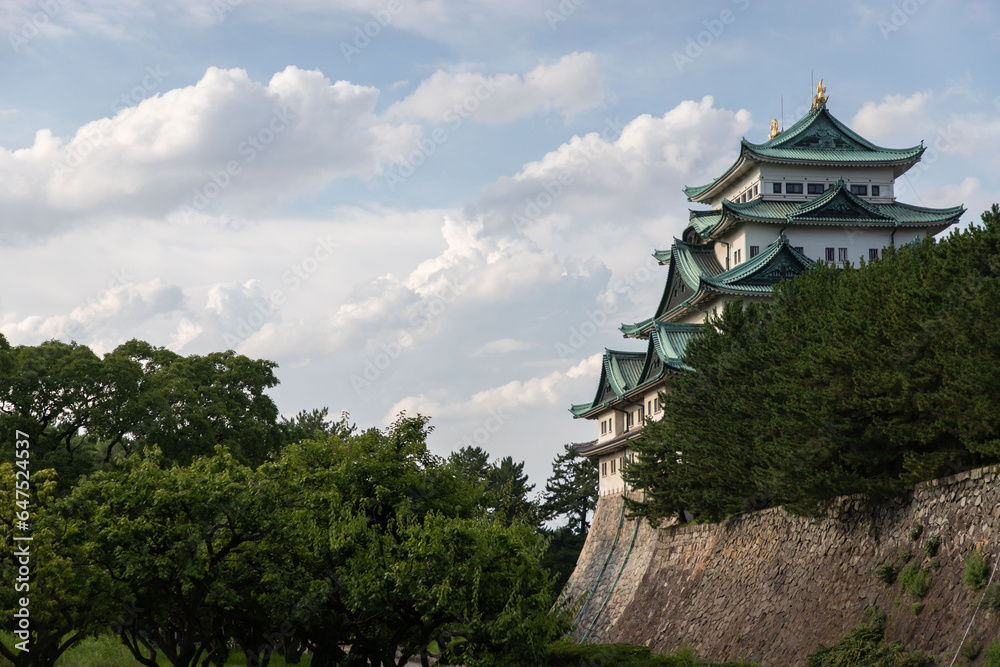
[(567, 654), (865, 645), (914, 580), (917, 531), (977, 570), (970, 650), (992, 655), (991, 598), (886, 573), (906, 556), (916, 608), (931, 546)]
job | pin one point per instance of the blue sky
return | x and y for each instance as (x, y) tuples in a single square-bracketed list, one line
[(448, 214)]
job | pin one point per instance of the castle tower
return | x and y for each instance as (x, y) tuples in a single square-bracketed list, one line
[(817, 191)]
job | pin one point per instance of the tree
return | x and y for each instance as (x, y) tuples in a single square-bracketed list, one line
[(168, 544), (309, 424), (571, 490), (63, 605), (852, 381)]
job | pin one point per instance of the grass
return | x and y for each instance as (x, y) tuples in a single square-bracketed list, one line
[(931, 546), (865, 645), (977, 570), (886, 573), (107, 651), (914, 580), (568, 654), (992, 655), (917, 531)]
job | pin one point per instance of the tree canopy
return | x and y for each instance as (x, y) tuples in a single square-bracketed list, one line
[(852, 381)]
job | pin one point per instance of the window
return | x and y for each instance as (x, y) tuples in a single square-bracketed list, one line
[(793, 188), (875, 190), (755, 190), (754, 251), (736, 257), (604, 470), (815, 188), (872, 254), (621, 463), (604, 427), (649, 407), (829, 255), (656, 403), (628, 420), (612, 466), (642, 415), (841, 254), (859, 189), (777, 188)]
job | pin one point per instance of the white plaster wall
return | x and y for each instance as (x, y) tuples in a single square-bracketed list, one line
[(771, 173)]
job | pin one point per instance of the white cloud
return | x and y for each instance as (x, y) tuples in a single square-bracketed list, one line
[(571, 85), (895, 116), (503, 346), (224, 144)]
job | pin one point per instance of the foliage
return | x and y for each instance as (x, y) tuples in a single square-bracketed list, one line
[(931, 546), (886, 573), (977, 570), (917, 531), (849, 382), (866, 645), (914, 580), (906, 556), (991, 597), (503, 482), (63, 605), (562, 553), (992, 656), (571, 490), (916, 608), (79, 410), (316, 423), (970, 650), (166, 544), (565, 653)]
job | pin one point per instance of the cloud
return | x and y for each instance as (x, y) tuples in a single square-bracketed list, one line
[(226, 144), (571, 85), (122, 311)]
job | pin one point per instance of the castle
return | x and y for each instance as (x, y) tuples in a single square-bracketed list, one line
[(817, 191)]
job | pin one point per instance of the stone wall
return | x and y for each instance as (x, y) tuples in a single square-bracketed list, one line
[(771, 586)]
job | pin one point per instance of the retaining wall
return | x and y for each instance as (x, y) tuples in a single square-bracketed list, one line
[(771, 586)]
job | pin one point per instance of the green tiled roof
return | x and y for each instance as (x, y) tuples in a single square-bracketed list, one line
[(694, 261), (816, 138), (758, 275), (634, 329), (662, 256), (664, 354), (836, 206)]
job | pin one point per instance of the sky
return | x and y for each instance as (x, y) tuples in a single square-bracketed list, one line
[(431, 206)]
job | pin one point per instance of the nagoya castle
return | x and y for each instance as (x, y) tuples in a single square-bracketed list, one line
[(816, 191)]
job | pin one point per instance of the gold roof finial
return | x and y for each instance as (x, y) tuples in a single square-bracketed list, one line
[(821, 96), (774, 129)]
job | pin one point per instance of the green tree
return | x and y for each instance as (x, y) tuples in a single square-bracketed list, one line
[(571, 490), (167, 543), (63, 605)]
